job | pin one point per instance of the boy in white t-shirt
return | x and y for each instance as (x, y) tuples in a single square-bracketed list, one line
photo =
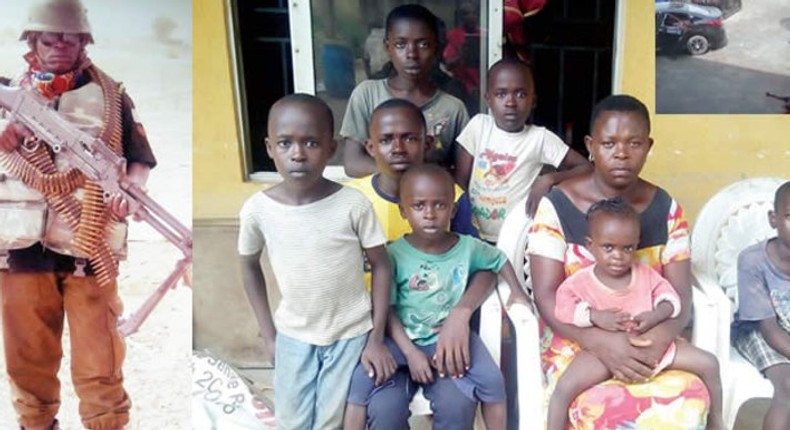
[(499, 158), (315, 232)]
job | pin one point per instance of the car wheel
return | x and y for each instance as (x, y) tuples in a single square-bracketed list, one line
[(697, 44)]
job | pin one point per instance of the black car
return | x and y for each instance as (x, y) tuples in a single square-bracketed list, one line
[(688, 27), (727, 7)]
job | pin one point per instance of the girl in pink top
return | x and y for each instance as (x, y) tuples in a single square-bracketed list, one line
[(618, 293)]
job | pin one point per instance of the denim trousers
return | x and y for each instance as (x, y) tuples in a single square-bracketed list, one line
[(453, 401), (311, 381)]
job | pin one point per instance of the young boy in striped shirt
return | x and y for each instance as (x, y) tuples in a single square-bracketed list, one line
[(315, 232)]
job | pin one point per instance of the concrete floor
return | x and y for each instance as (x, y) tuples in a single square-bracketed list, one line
[(263, 382), (750, 416)]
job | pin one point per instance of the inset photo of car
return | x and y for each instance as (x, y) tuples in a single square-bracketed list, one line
[(722, 56), (688, 28)]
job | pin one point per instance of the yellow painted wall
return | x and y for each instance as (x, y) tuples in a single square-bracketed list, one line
[(694, 155), (218, 185)]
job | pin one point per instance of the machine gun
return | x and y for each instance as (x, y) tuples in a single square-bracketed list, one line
[(785, 100), (99, 163)]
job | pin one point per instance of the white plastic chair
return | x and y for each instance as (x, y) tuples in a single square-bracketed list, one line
[(710, 307), (529, 376), (734, 218)]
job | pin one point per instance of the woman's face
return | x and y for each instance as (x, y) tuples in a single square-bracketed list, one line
[(619, 145), (412, 48)]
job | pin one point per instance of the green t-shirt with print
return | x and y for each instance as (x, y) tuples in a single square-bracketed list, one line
[(426, 286)]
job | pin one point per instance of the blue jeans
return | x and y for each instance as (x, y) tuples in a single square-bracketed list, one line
[(311, 382), (453, 401)]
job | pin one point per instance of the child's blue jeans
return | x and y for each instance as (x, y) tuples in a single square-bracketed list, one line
[(453, 401), (311, 382)]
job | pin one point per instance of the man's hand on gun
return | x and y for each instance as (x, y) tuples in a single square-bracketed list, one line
[(13, 135), (136, 174)]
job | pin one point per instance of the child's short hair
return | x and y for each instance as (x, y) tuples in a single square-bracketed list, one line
[(510, 62), (401, 103), (782, 193), (308, 99), (413, 12), (620, 103), (616, 207), (427, 169)]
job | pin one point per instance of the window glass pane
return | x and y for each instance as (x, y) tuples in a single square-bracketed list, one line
[(348, 48), (262, 50)]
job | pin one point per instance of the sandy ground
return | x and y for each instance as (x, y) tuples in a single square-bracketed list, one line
[(147, 45)]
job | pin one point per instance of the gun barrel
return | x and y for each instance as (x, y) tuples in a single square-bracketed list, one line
[(778, 97), (148, 210)]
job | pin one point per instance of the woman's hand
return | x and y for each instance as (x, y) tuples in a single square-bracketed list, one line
[(626, 362), (654, 343), (420, 367)]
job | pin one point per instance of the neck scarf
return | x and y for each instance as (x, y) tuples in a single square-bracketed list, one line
[(52, 85)]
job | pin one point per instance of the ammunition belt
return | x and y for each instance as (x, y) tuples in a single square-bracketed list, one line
[(90, 218)]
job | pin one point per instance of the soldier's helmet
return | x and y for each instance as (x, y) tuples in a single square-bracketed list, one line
[(57, 16)]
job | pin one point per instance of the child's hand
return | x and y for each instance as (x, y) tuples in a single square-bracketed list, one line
[(610, 319), (647, 320), (420, 367), (452, 349), (540, 187), (378, 361)]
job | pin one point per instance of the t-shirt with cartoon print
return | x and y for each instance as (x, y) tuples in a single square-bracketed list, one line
[(425, 287), (505, 166)]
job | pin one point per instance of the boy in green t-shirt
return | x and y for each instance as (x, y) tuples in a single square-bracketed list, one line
[(430, 307)]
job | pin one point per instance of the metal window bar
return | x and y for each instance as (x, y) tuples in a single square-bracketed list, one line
[(560, 51)]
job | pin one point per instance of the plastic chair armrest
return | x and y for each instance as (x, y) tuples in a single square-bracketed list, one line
[(712, 318), (529, 377)]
